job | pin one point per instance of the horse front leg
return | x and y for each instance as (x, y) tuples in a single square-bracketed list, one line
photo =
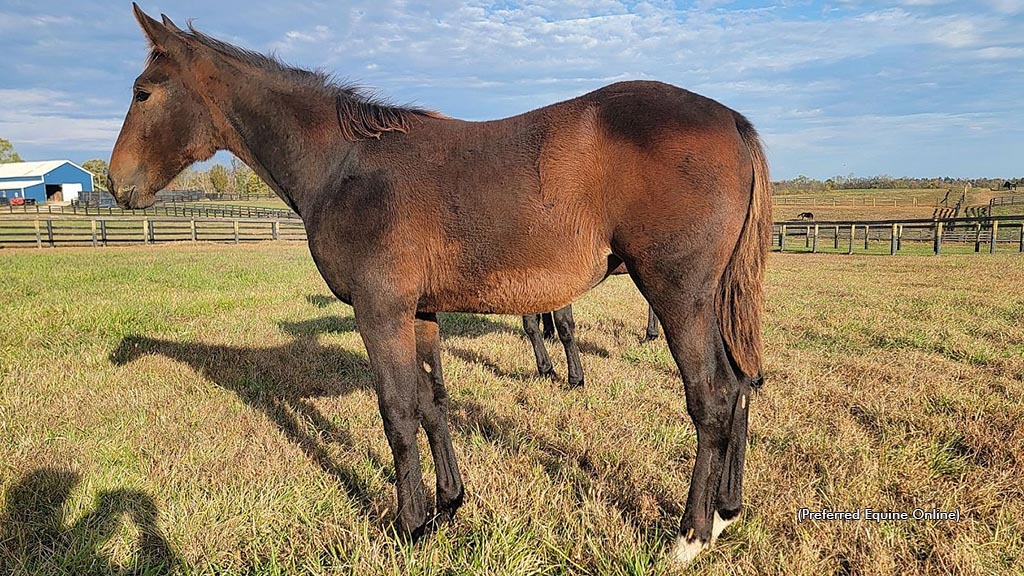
[(433, 410), (388, 332)]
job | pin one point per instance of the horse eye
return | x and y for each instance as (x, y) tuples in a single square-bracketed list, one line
[(141, 95)]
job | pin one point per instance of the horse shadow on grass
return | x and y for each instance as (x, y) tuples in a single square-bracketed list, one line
[(36, 538), (280, 382)]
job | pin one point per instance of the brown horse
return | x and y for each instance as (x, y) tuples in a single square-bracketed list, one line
[(410, 213)]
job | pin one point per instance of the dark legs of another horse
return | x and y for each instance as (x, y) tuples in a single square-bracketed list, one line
[(566, 327), (652, 325), (548, 320)]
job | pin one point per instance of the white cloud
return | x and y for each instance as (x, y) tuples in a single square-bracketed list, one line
[(39, 117)]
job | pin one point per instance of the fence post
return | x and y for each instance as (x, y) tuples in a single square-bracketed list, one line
[(836, 239), (867, 232), (93, 224), (892, 242), (992, 239), (782, 238), (49, 232), (977, 237), (236, 231), (39, 236), (1020, 246), (853, 232), (145, 230), (899, 239), (814, 242), (192, 228), (273, 229), (103, 231), (937, 246)]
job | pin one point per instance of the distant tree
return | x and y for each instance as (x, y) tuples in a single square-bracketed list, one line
[(99, 170), (7, 153), (239, 176), (219, 178), (255, 186)]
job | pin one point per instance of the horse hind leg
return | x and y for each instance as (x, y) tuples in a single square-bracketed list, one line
[(716, 400), (566, 325)]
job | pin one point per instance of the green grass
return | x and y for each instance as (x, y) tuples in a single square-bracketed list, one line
[(210, 410)]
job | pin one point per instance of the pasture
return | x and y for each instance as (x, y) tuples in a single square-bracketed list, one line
[(210, 410)]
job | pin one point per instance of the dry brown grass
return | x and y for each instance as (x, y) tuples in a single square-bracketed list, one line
[(222, 390)]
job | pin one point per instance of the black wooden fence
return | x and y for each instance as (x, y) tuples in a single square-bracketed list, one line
[(984, 234), (182, 210), (47, 231)]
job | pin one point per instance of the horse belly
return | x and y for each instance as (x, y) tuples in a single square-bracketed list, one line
[(545, 278)]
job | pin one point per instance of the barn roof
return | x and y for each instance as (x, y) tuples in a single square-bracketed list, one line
[(18, 184), (33, 169)]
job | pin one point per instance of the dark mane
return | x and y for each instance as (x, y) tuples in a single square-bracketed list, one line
[(360, 114)]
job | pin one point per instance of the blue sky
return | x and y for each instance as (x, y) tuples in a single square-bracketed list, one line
[(910, 88)]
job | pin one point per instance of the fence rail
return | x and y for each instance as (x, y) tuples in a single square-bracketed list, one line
[(842, 200), (180, 210), (988, 234), (107, 231), (1005, 201)]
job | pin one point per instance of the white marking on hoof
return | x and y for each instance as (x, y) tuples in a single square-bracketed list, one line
[(686, 550), (743, 406), (718, 525), (427, 368)]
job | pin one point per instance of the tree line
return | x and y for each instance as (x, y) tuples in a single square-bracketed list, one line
[(804, 184)]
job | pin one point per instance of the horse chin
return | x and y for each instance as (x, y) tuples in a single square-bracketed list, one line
[(132, 198)]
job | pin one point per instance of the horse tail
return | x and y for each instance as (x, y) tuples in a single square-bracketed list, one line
[(741, 294)]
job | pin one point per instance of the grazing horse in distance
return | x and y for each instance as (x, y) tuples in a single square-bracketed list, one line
[(805, 216), (410, 213)]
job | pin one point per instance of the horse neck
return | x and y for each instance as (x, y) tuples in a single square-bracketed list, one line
[(288, 137)]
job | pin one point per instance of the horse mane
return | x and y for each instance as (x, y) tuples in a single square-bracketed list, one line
[(360, 114)]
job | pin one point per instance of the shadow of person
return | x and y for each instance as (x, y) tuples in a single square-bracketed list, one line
[(35, 539), (279, 382)]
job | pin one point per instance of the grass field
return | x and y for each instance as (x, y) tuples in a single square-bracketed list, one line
[(209, 410)]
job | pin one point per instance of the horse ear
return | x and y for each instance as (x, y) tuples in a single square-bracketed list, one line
[(159, 36), (170, 25)]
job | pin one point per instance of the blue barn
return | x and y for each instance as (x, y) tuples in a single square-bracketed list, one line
[(48, 181)]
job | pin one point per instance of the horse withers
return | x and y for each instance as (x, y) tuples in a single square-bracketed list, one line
[(409, 213)]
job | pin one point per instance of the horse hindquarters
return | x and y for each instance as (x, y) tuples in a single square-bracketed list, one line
[(701, 267)]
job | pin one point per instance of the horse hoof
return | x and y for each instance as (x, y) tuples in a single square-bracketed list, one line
[(649, 338), (446, 510), (422, 531), (575, 385), (686, 551)]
